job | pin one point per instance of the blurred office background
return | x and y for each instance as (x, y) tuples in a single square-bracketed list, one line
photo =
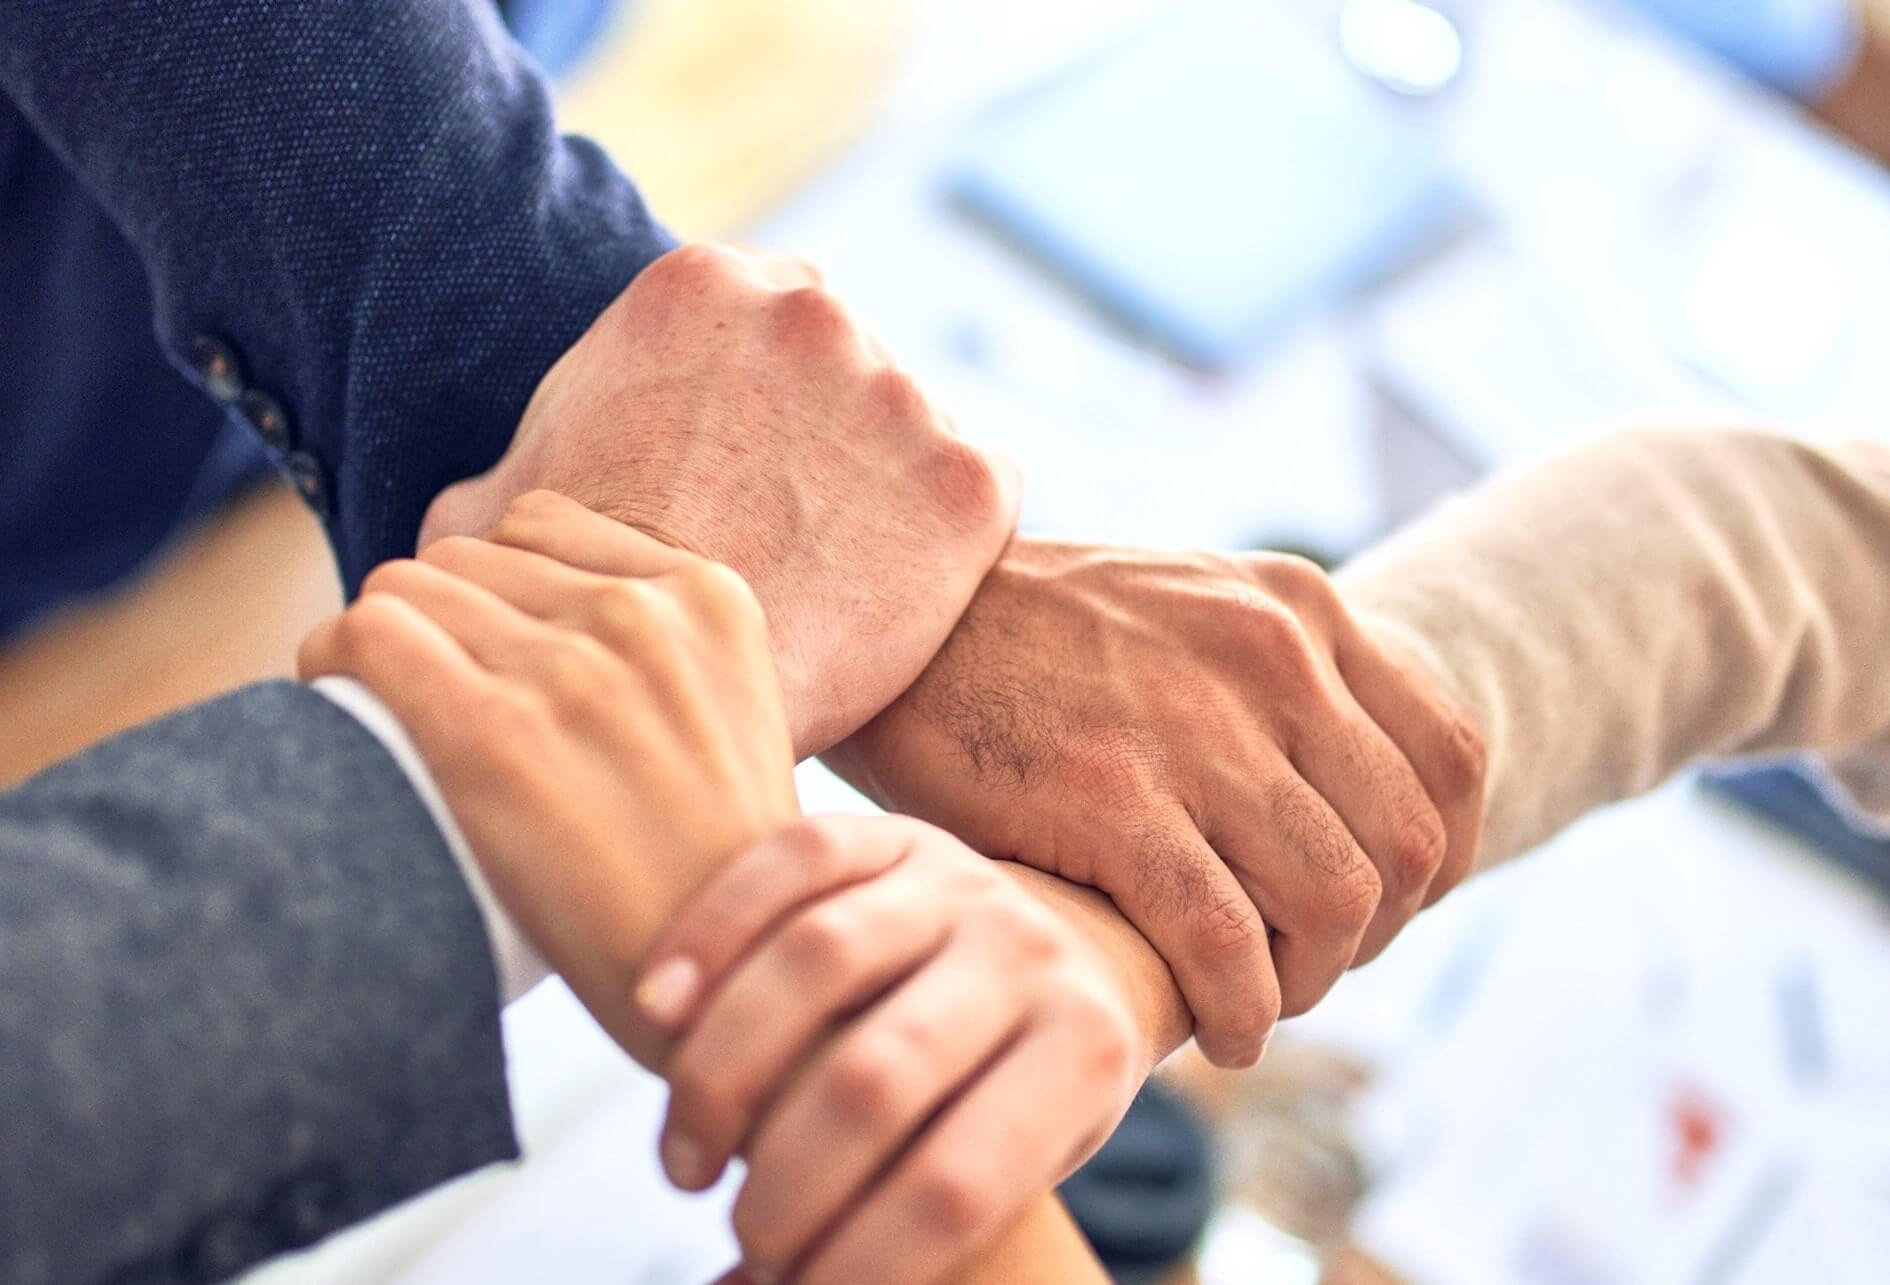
[(1287, 272)]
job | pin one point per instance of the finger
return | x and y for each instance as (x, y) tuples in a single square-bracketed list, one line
[(768, 881), (560, 528), (541, 587), (1310, 879), (494, 633), (417, 669), (1010, 482), (820, 967), (1181, 895), (1001, 1144), (857, 1105), (1370, 784), (320, 652), (1440, 745)]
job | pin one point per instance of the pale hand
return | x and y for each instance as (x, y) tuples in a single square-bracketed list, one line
[(604, 742), (905, 1041)]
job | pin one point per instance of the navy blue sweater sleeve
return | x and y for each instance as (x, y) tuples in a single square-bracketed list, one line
[(360, 225)]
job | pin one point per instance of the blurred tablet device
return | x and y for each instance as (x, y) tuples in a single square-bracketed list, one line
[(1209, 178)]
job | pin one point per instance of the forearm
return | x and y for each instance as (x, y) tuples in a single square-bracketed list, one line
[(1648, 600), (1604, 620), (1043, 1247), (1160, 1012), (1733, 594)]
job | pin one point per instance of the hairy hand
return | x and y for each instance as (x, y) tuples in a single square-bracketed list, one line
[(1214, 743), (730, 406), (605, 742), (905, 1043)]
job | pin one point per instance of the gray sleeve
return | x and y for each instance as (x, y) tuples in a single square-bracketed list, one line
[(246, 998)]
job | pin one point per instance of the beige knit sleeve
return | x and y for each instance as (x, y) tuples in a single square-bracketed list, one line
[(1647, 600)]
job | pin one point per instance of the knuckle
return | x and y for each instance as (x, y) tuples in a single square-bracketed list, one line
[(965, 484), (951, 1199), (1350, 898), (1107, 1031), (450, 551), (535, 504), (578, 675), (1240, 1034), (368, 621), (519, 721), (516, 730), (1118, 764), (1278, 635), (523, 516), (897, 397), (687, 263), (1300, 581), (815, 315), (864, 1083), (1418, 846), (1313, 833), (620, 608), (1034, 939), (389, 577), (1464, 759), (822, 944), (724, 596), (813, 845), (1229, 932)]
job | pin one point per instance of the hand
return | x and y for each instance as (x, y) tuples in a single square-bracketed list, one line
[(604, 743), (1214, 743), (905, 1044), (728, 405)]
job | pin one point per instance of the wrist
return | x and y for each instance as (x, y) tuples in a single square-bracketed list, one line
[(516, 961), (1162, 1019)]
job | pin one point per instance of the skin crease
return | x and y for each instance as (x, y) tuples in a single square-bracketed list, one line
[(730, 406)]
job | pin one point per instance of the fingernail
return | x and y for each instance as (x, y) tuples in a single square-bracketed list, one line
[(668, 990), (684, 1161), (758, 1275)]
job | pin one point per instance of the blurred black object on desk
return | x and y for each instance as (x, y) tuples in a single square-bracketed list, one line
[(1144, 1199)]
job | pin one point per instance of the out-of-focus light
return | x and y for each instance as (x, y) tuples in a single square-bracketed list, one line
[(1403, 45), (1240, 1247)]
